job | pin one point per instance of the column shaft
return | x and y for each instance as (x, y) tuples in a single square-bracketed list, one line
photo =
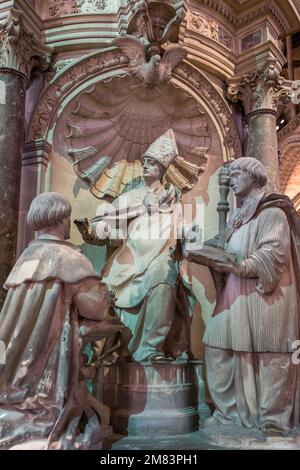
[(12, 109), (263, 143)]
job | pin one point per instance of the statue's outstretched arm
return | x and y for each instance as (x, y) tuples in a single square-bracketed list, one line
[(90, 234)]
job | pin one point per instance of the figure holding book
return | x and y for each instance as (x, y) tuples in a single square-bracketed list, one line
[(252, 335)]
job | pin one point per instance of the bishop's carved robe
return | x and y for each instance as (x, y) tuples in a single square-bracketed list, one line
[(152, 293)]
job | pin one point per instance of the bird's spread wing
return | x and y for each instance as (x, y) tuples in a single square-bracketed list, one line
[(133, 48), (172, 56)]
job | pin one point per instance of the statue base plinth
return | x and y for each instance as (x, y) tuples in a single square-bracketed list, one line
[(237, 437), (152, 399)]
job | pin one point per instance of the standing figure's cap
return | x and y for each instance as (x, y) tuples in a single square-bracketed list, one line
[(164, 149)]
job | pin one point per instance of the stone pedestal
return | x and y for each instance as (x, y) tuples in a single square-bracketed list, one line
[(238, 437), (12, 107), (152, 399)]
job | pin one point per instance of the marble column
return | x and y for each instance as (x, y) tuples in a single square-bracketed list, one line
[(263, 93), (19, 52), (12, 107), (263, 142)]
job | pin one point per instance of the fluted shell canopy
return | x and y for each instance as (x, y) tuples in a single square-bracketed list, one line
[(109, 126)]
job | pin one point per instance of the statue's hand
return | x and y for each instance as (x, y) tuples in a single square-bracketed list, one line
[(226, 266), (85, 228), (192, 233)]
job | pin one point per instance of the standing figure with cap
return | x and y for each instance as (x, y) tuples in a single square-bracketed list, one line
[(152, 295)]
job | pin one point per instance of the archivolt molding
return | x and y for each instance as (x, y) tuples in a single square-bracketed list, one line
[(66, 81), (194, 80), (289, 159), (289, 150)]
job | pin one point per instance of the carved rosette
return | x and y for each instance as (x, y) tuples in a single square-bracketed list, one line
[(264, 89), (73, 7), (19, 49), (91, 6)]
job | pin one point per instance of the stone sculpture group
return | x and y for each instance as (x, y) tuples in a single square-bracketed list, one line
[(61, 320)]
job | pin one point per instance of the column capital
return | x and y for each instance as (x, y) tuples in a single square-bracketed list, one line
[(263, 89), (20, 51)]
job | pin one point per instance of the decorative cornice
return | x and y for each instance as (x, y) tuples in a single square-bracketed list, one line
[(261, 90), (243, 19), (19, 50), (259, 12), (220, 8)]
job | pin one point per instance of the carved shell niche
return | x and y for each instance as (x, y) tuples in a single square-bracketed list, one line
[(111, 125)]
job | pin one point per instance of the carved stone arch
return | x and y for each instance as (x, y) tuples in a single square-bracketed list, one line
[(69, 80), (197, 84), (78, 75)]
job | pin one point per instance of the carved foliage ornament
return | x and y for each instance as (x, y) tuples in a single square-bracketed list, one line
[(19, 49), (63, 7), (91, 6), (211, 29), (262, 89)]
